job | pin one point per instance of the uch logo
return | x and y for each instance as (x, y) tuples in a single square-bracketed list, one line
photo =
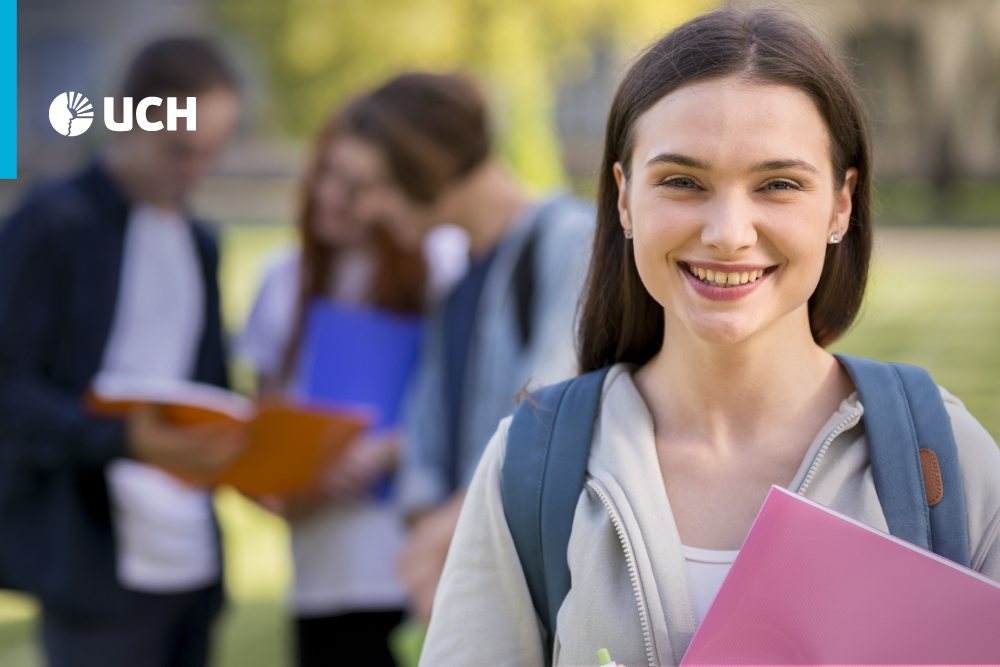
[(71, 114)]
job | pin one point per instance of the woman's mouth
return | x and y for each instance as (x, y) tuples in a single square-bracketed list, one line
[(724, 283), (726, 278)]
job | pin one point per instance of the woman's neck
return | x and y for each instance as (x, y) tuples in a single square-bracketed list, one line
[(351, 268), (729, 395), (487, 204)]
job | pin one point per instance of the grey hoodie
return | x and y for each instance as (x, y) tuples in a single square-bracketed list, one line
[(630, 591)]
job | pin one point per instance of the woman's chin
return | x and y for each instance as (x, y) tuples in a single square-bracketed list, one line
[(722, 330)]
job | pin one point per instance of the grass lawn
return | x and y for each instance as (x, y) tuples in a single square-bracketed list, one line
[(934, 300)]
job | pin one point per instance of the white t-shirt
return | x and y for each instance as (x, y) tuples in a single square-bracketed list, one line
[(706, 569), (345, 555), (165, 537)]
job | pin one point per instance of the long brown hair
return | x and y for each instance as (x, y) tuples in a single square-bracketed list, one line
[(620, 321), (400, 278)]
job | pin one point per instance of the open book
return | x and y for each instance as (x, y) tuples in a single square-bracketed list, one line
[(288, 445), (812, 586)]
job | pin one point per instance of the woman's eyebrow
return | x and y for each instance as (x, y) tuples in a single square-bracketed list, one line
[(679, 159), (776, 165), (694, 163)]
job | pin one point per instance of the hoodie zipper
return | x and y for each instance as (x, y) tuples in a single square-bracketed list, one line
[(850, 421), (647, 635)]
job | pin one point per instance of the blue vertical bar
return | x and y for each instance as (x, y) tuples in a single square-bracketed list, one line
[(8, 88)]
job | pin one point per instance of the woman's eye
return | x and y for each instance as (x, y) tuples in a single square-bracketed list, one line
[(782, 184), (682, 182)]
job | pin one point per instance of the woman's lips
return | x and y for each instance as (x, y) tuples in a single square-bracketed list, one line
[(722, 282)]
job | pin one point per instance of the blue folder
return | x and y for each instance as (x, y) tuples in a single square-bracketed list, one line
[(360, 356)]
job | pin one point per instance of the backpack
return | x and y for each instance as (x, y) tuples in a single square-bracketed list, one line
[(910, 441)]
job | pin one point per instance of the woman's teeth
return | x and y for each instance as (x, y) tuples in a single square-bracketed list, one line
[(723, 279)]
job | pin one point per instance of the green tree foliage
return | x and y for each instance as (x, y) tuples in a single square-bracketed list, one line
[(318, 52)]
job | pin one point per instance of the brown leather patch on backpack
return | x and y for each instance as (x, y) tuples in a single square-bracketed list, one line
[(933, 485)]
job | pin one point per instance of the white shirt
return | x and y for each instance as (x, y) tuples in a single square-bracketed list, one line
[(164, 534), (344, 555), (706, 569)]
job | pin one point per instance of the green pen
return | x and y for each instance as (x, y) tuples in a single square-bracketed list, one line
[(604, 658)]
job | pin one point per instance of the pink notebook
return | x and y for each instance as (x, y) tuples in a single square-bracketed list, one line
[(812, 586)]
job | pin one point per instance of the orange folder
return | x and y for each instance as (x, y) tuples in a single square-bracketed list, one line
[(288, 444)]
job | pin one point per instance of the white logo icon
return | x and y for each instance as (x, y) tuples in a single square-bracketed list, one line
[(71, 114)]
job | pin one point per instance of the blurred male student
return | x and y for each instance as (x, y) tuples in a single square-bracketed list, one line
[(106, 271), (509, 321)]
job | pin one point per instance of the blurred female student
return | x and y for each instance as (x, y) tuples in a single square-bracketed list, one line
[(345, 541), (733, 242)]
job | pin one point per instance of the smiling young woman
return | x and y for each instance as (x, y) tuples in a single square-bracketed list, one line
[(732, 246)]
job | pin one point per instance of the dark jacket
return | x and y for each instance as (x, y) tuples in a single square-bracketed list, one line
[(60, 264)]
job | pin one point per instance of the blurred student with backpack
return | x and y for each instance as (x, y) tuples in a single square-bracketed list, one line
[(507, 323)]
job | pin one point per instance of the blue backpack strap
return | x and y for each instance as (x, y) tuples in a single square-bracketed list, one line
[(904, 414), (548, 445)]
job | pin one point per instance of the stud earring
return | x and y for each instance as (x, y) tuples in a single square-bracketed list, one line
[(835, 238), (628, 232)]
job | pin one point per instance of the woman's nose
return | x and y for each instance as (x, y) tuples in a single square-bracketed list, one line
[(729, 225)]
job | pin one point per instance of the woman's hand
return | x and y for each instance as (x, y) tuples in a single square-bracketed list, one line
[(351, 476), (365, 462)]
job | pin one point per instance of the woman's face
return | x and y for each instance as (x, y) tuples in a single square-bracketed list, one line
[(732, 201), (348, 169)]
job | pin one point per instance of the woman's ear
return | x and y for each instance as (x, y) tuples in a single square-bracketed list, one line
[(843, 205), (623, 215)]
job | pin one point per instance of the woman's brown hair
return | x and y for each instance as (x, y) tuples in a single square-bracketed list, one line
[(399, 283), (620, 321)]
